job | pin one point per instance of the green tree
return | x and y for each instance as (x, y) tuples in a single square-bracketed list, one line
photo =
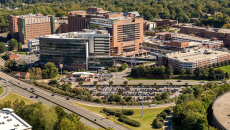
[(182, 71), (125, 65), (162, 70), (10, 63), (190, 72), (35, 73), (66, 87), (66, 124), (158, 97), (127, 88), (80, 83), (50, 70), (97, 87), (125, 83), (165, 95), (19, 46), (13, 44), (110, 83), (95, 83), (142, 70), (2, 47), (169, 70)]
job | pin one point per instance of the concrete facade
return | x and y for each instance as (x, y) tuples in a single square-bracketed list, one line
[(168, 22)]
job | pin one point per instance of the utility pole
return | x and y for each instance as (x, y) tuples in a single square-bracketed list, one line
[(142, 100)]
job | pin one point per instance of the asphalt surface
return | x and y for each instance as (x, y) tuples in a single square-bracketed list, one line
[(6, 90), (168, 125), (46, 97)]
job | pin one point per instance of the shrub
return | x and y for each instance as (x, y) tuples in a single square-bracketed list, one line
[(128, 112), (98, 100), (129, 121), (118, 113), (160, 119), (159, 124), (163, 114)]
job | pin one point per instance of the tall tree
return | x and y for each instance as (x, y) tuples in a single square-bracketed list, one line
[(2, 47), (50, 70), (182, 71), (13, 44), (190, 72), (19, 46), (169, 71)]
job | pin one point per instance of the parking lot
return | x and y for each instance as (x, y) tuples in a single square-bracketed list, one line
[(136, 91)]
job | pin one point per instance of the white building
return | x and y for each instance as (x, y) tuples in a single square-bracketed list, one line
[(33, 45), (10, 121)]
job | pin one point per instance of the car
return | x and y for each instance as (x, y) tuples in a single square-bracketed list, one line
[(25, 88), (167, 82), (68, 98), (53, 94), (32, 91), (224, 82), (37, 96), (152, 105), (201, 81), (19, 82), (31, 96), (178, 80), (110, 126), (31, 88)]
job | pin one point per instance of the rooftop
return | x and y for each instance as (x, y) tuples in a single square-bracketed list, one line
[(10, 121), (221, 109), (196, 55), (219, 30), (77, 35)]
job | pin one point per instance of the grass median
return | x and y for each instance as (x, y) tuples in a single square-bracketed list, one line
[(1, 90), (12, 97), (149, 115)]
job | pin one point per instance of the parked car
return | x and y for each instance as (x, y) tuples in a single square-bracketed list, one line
[(31, 96), (37, 96), (152, 105)]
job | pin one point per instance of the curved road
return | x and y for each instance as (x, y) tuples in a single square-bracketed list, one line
[(102, 122)]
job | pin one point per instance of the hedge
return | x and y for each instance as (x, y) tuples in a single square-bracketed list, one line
[(129, 121), (158, 122)]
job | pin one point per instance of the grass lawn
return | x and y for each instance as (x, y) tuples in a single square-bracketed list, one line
[(149, 115), (225, 68), (59, 76), (20, 52), (1, 90), (12, 97)]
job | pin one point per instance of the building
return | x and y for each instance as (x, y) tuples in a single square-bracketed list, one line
[(33, 45), (10, 121), (149, 25), (219, 33), (19, 74), (73, 49), (196, 58), (168, 22), (26, 27), (220, 108), (61, 26), (11, 56), (178, 41), (125, 29)]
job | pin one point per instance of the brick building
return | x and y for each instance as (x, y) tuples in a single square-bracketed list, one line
[(126, 29), (219, 33), (168, 22), (11, 56), (26, 27), (198, 58)]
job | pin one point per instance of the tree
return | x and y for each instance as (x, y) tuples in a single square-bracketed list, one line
[(97, 87), (50, 70), (95, 83), (190, 72), (110, 83), (66, 124), (13, 44), (162, 70), (19, 46), (140, 84), (165, 95), (142, 70), (98, 94), (2, 47), (80, 83), (120, 91), (186, 84), (66, 87), (10, 63), (169, 70), (125, 65), (158, 97), (65, 71), (35, 73), (127, 88), (125, 83)]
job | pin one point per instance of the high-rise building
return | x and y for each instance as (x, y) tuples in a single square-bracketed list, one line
[(73, 49), (126, 29), (26, 27)]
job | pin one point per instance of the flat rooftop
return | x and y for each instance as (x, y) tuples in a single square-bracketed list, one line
[(197, 55), (221, 110), (219, 30), (10, 121), (77, 35)]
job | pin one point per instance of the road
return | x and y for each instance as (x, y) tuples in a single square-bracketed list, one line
[(57, 100), (168, 125)]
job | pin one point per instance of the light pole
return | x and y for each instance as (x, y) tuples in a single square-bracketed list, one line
[(142, 100)]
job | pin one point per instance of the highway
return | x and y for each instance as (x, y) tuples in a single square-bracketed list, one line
[(44, 96)]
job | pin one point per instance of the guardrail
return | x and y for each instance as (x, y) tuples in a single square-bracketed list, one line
[(60, 105)]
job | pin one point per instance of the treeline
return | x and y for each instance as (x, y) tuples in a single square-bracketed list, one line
[(43, 117), (193, 110), (168, 72), (181, 10)]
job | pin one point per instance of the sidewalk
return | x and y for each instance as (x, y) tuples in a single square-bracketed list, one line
[(168, 124)]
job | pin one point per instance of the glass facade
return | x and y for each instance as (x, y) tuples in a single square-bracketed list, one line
[(68, 52), (95, 62)]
